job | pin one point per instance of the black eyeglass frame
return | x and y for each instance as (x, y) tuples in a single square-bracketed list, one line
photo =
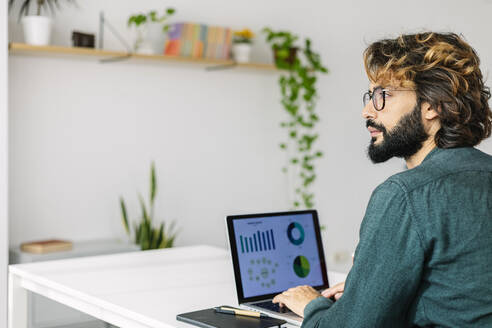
[(370, 94)]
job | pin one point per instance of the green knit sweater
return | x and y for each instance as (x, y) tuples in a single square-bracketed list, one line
[(425, 250)]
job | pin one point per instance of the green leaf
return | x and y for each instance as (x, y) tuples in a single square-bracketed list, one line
[(308, 167), (170, 11), (314, 117), (124, 216), (144, 236), (145, 214), (308, 200), (168, 237), (153, 15), (309, 180), (283, 146), (156, 233), (136, 228), (160, 235), (153, 184), (167, 242)]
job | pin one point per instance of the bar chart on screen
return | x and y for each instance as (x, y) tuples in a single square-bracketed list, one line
[(260, 241)]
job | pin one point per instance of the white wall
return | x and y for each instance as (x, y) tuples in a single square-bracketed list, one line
[(83, 133), (3, 165)]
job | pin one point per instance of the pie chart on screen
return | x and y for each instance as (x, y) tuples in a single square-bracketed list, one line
[(301, 266)]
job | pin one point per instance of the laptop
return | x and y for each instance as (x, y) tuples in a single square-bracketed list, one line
[(272, 252)]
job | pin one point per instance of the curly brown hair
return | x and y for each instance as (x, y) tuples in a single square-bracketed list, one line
[(444, 71)]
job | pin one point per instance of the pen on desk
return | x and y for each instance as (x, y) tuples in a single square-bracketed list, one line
[(233, 311)]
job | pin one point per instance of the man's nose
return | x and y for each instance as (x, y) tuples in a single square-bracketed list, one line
[(369, 112)]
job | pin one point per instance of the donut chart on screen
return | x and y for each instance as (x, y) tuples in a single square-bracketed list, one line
[(295, 233)]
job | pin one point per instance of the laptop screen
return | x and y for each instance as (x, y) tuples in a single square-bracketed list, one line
[(274, 252)]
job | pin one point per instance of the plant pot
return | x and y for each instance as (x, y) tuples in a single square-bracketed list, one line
[(156, 37), (241, 52), (142, 45), (285, 57), (37, 30)]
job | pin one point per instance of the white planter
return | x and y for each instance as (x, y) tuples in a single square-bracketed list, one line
[(241, 52), (143, 45), (156, 37), (37, 30)]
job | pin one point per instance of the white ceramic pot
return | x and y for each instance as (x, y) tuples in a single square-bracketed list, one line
[(241, 52), (143, 45), (156, 37), (37, 30)]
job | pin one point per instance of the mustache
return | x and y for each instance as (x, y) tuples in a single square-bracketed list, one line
[(380, 127)]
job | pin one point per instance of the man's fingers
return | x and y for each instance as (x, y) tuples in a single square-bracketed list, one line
[(337, 296), (280, 298), (338, 288)]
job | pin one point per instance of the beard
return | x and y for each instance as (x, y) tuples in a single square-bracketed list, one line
[(404, 140)]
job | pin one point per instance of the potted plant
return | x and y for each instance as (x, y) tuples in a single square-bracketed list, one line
[(241, 45), (145, 25), (37, 28), (146, 234), (299, 67)]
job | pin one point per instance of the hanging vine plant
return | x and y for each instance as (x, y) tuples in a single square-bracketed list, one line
[(300, 67)]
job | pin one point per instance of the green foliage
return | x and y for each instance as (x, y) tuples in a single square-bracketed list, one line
[(146, 235), (152, 16), (51, 5), (300, 66), (124, 215)]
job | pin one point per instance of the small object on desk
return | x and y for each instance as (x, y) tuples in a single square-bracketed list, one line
[(234, 311), (46, 246), (211, 318), (83, 40)]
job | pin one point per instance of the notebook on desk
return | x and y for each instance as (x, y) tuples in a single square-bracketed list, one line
[(210, 319), (272, 252)]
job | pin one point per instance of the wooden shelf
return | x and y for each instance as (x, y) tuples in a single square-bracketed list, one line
[(58, 51)]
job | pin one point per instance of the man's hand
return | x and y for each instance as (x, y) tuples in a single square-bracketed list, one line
[(297, 298), (335, 291)]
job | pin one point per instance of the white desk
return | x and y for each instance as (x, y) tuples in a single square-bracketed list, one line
[(46, 313), (140, 289)]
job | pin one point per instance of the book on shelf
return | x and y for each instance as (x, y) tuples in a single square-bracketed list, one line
[(198, 41), (46, 246)]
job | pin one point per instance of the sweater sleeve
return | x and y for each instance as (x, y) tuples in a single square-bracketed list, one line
[(387, 270)]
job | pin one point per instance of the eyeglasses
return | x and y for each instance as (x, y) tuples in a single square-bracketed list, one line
[(378, 96)]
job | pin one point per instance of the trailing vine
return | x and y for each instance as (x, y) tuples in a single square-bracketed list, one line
[(299, 67)]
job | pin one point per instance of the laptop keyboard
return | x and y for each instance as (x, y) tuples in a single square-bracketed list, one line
[(272, 307)]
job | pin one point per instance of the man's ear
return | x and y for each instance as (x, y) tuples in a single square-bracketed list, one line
[(429, 112)]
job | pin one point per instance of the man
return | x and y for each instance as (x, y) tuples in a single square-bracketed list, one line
[(424, 256)]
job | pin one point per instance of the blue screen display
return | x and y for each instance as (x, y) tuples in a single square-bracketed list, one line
[(276, 253)]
